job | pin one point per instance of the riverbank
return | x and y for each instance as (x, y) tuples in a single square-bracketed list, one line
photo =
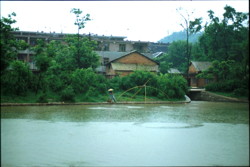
[(31, 99), (203, 95), (187, 100)]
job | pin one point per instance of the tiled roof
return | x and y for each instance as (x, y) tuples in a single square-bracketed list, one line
[(134, 52), (201, 65), (111, 55), (133, 67), (174, 71), (115, 55), (157, 54)]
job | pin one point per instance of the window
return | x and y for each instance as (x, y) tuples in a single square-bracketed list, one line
[(33, 42), (139, 48), (106, 47), (22, 57), (122, 47), (105, 60)]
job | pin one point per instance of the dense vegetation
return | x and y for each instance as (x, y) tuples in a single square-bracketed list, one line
[(66, 73), (225, 43), (66, 69)]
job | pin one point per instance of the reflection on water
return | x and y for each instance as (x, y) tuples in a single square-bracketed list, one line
[(193, 112), (199, 133), (169, 125)]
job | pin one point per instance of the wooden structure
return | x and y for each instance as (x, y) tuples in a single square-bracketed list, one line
[(129, 63), (196, 68)]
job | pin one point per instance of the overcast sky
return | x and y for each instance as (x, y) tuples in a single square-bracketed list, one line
[(137, 20)]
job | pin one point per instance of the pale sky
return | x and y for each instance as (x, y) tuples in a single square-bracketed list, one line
[(136, 20)]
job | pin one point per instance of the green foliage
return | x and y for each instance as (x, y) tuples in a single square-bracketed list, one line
[(197, 53), (174, 86), (67, 68), (177, 55), (139, 78), (82, 79), (81, 51), (42, 58), (68, 95), (165, 86), (241, 92), (224, 86), (222, 38), (17, 80), (225, 42), (42, 98), (164, 63), (9, 45), (80, 20)]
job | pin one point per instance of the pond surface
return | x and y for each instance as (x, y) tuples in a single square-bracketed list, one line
[(195, 134)]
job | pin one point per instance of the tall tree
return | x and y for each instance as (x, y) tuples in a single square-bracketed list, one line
[(226, 42), (82, 52), (223, 39), (190, 27), (80, 23), (9, 45), (43, 62)]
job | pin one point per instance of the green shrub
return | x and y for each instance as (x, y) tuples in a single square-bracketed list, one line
[(173, 86), (17, 80), (68, 95), (84, 79), (237, 87), (114, 83), (241, 92), (42, 98), (224, 86), (139, 78)]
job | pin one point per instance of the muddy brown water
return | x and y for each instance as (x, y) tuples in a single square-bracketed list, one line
[(195, 134)]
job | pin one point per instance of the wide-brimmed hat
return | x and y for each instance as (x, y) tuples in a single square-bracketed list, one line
[(110, 90)]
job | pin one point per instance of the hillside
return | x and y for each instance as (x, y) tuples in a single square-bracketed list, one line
[(181, 35)]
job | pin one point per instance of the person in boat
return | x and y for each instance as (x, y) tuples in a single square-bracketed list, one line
[(111, 95)]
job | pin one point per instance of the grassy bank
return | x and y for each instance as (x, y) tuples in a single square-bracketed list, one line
[(53, 97), (231, 94)]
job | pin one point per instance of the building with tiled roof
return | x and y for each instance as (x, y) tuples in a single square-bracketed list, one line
[(195, 68), (108, 47), (129, 63)]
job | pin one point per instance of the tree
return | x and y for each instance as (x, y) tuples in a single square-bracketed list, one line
[(17, 80), (174, 86), (164, 62), (226, 42), (43, 62), (80, 23), (9, 45), (82, 52), (223, 39), (177, 55), (175, 58), (190, 27)]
